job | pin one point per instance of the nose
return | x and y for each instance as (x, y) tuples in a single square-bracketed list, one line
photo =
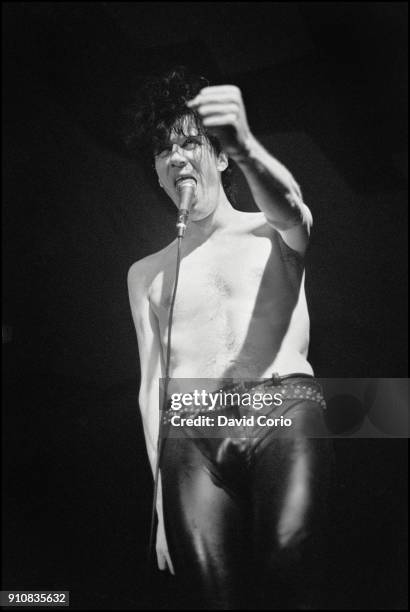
[(177, 156)]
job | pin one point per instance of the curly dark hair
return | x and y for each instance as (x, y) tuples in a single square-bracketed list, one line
[(159, 107)]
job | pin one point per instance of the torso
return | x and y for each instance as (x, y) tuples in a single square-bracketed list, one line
[(240, 309)]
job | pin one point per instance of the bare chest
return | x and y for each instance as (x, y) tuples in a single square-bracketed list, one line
[(212, 277)]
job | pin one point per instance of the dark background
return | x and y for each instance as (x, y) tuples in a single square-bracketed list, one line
[(325, 86)]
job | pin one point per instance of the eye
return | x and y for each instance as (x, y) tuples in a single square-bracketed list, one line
[(190, 143)]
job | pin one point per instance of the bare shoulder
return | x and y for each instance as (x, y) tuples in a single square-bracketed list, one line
[(142, 272), (296, 238), (254, 223)]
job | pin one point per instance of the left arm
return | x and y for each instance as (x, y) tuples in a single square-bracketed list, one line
[(277, 195), (273, 187)]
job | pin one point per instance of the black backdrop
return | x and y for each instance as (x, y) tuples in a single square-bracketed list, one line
[(325, 89)]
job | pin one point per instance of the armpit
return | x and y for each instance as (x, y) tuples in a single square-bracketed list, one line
[(290, 255)]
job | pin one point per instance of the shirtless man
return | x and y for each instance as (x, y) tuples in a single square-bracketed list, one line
[(240, 312)]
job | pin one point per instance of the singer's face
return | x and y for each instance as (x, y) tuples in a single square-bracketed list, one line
[(189, 154)]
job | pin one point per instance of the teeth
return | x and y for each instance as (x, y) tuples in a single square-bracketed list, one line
[(185, 178)]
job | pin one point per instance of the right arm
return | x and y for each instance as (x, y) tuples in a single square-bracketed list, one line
[(149, 346)]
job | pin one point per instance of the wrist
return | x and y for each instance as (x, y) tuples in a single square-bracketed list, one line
[(160, 517), (159, 507), (247, 152)]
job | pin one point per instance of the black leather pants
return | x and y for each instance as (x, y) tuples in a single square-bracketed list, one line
[(245, 514)]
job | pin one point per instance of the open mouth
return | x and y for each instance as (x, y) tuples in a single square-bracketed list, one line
[(180, 179)]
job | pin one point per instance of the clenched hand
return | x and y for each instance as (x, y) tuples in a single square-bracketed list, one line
[(223, 113)]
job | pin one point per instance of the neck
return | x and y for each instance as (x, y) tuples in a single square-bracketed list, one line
[(219, 218)]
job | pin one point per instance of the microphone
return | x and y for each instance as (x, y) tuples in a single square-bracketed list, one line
[(186, 189)]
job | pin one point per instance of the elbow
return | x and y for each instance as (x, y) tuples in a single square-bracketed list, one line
[(307, 219), (299, 213)]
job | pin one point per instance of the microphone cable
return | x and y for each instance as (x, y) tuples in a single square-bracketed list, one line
[(161, 430)]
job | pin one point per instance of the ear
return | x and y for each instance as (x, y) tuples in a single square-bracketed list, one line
[(222, 162)]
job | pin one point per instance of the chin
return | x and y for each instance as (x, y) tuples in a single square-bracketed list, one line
[(200, 215)]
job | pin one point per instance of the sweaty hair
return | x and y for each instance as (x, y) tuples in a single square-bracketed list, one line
[(159, 108)]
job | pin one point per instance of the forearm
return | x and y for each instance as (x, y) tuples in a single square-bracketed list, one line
[(273, 187), (150, 422)]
